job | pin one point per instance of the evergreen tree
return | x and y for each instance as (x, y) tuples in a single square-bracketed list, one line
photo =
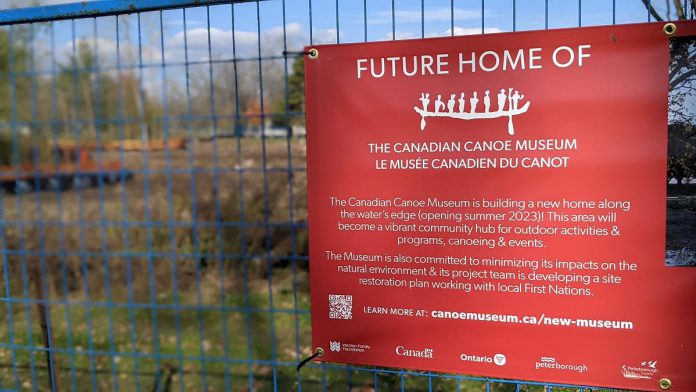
[(290, 110)]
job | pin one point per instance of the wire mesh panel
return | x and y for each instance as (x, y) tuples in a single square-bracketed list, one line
[(153, 209)]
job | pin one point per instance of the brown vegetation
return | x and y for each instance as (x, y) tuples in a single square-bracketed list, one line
[(203, 228)]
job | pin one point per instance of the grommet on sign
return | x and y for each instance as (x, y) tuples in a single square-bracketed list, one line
[(313, 54), (669, 29), (665, 384)]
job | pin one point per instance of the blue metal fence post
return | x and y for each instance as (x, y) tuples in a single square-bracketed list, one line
[(124, 212)]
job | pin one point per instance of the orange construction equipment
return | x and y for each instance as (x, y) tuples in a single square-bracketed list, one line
[(129, 145)]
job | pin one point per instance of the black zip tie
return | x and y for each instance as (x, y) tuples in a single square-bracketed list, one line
[(318, 352), (313, 53), (287, 53)]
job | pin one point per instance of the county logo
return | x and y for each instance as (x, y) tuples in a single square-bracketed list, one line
[(645, 371)]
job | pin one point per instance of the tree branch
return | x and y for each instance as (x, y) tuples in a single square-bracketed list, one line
[(681, 78), (652, 11), (679, 7), (684, 63)]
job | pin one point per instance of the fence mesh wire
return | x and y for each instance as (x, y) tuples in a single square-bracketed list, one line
[(153, 209)]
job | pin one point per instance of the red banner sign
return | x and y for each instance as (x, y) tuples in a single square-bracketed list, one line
[(495, 205)]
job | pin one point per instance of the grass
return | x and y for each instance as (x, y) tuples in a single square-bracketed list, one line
[(172, 327)]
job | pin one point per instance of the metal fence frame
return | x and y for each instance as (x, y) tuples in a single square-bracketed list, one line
[(19, 305)]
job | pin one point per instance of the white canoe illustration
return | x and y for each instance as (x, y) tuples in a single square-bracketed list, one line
[(474, 116)]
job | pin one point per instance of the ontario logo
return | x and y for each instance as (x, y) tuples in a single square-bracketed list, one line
[(500, 359), (645, 371)]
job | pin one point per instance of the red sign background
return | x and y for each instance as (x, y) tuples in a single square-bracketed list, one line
[(614, 106)]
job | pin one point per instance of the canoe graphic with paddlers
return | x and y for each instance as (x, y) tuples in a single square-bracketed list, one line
[(457, 107)]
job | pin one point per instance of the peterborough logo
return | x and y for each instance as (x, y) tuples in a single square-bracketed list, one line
[(335, 346), (552, 363), (645, 371), (508, 106)]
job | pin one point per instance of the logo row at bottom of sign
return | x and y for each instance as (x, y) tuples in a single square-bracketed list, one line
[(645, 370)]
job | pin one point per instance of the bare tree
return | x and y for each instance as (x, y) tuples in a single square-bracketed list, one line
[(681, 9), (682, 67)]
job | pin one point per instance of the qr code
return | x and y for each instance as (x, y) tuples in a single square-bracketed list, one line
[(340, 307)]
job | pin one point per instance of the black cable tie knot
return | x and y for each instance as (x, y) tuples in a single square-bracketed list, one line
[(318, 352)]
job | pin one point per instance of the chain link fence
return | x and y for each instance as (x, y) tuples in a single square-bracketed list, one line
[(153, 210)]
